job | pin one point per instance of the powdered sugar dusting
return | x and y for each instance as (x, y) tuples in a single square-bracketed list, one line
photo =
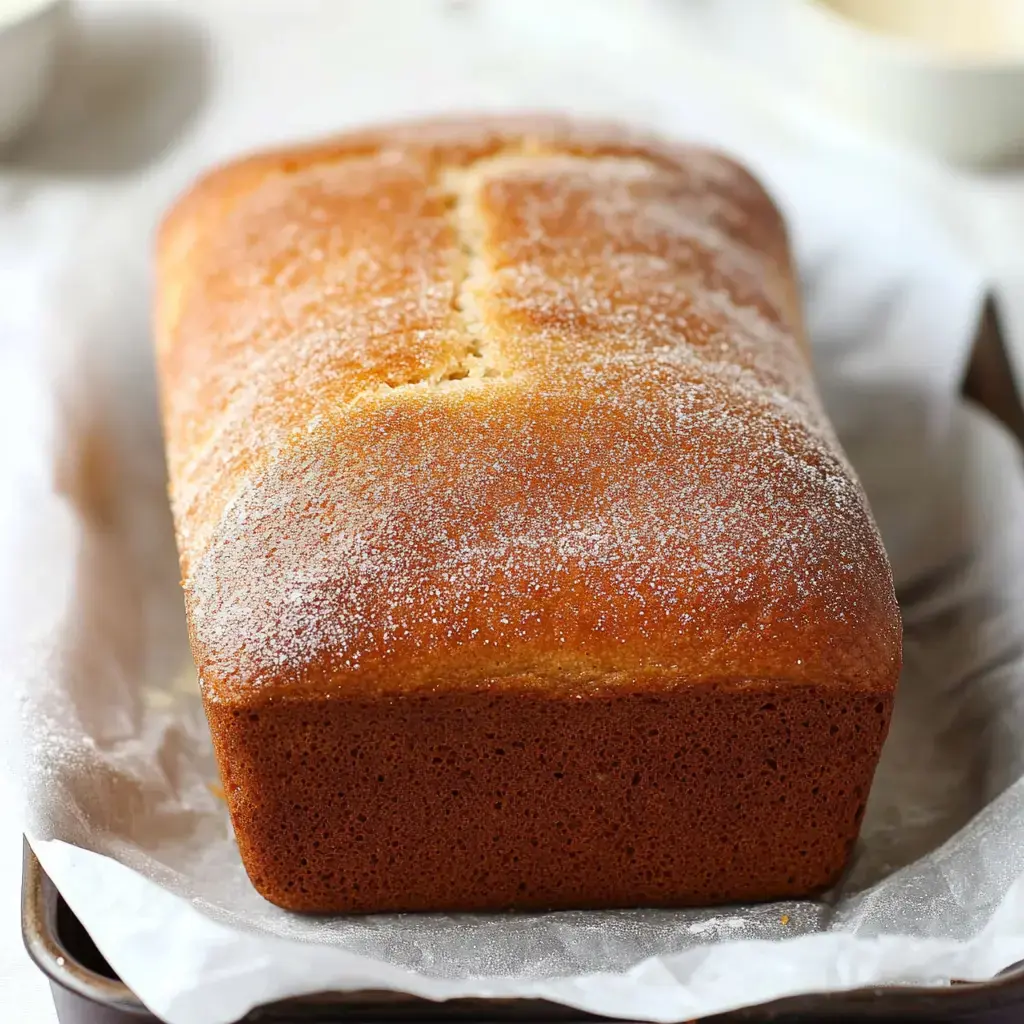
[(716, 924), (534, 416)]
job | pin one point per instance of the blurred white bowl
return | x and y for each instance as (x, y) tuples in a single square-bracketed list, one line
[(30, 32), (941, 75)]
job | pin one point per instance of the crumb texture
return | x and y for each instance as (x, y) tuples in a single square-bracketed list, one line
[(707, 795)]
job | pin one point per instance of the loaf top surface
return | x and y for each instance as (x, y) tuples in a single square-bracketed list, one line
[(517, 404)]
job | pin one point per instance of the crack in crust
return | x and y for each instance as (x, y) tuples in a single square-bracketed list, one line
[(479, 357)]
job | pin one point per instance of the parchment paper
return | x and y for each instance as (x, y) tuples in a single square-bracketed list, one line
[(103, 738)]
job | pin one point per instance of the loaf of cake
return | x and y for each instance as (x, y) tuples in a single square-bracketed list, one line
[(522, 566)]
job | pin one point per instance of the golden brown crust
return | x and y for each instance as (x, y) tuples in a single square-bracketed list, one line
[(642, 428), (498, 408)]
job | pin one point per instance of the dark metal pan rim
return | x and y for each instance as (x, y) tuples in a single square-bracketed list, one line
[(47, 949)]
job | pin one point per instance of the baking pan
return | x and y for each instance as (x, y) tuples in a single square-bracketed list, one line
[(86, 991)]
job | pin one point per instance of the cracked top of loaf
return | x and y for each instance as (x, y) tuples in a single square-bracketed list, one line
[(519, 404)]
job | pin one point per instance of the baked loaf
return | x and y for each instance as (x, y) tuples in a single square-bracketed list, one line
[(521, 564)]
